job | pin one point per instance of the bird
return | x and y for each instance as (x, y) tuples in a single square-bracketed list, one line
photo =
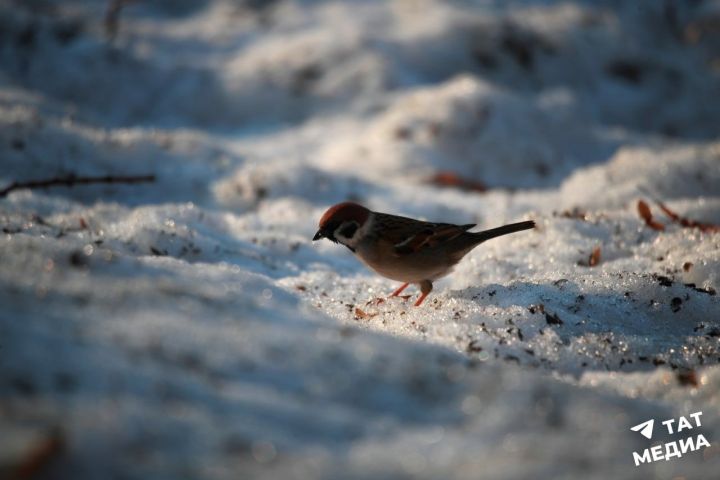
[(402, 248)]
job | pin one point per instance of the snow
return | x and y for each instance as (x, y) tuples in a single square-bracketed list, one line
[(189, 327)]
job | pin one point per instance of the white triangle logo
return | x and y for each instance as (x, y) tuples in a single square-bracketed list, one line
[(645, 428)]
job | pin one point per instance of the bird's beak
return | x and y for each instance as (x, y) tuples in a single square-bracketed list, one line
[(318, 235)]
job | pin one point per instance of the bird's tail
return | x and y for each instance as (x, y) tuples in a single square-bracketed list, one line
[(504, 230)]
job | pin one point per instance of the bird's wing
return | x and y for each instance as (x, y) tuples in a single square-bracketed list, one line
[(409, 236)]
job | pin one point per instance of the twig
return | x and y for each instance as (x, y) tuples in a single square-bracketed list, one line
[(647, 216), (72, 180), (686, 222)]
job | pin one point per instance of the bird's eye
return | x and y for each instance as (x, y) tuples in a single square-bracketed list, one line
[(348, 230)]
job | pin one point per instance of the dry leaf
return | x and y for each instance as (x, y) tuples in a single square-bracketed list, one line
[(687, 378), (362, 315), (375, 301), (43, 452), (594, 257), (450, 179), (576, 213), (646, 214)]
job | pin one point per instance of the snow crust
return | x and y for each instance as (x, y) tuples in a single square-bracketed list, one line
[(189, 328)]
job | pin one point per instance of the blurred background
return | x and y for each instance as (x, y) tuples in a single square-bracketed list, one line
[(164, 313)]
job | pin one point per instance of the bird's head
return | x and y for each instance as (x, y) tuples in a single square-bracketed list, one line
[(343, 223)]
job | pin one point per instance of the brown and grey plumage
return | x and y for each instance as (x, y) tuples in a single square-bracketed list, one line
[(405, 249)]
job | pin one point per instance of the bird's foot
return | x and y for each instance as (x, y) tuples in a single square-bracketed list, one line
[(421, 299), (397, 292)]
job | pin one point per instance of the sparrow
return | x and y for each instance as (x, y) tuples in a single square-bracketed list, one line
[(405, 249)]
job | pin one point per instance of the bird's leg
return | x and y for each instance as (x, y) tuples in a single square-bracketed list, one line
[(399, 290), (396, 293), (426, 287)]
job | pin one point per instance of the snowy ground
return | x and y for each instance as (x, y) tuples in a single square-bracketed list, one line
[(189, 328)]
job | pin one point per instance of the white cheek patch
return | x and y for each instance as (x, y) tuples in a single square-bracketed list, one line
[(340, 237), (359, 233), (363, 230)]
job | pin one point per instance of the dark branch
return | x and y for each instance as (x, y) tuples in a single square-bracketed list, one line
[(72, 180)]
